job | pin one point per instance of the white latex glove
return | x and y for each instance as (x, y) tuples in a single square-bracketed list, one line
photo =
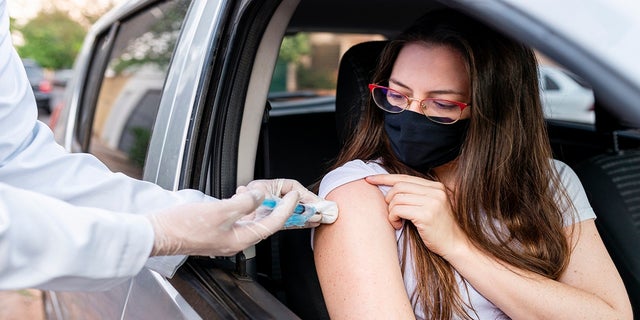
[(327, 211), (220, 228)]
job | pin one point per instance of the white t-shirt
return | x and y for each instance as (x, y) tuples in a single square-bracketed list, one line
[(357, 169)]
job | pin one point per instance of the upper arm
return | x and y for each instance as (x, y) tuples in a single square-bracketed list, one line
[(356, 257), (591, 268)]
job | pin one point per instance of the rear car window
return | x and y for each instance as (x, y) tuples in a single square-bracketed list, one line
[(307, 67), (564, 95), (131, 81)]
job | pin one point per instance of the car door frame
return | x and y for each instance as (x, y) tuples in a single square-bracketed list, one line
[(206, 134)]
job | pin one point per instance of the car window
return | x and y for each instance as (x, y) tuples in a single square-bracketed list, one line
[(564, 95), (130, 79), (307, 65), (307, 70), (549, 84)]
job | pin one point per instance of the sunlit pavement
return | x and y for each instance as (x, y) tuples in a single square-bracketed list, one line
[(21, 304)]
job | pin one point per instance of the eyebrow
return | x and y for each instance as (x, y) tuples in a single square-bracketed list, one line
[(442, 91)]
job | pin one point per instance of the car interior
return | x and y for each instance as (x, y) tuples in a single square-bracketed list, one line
[(301, 146), (244, 132), (605, 170), (266, 142)]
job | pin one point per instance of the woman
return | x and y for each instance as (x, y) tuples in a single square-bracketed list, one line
[(451, 205)]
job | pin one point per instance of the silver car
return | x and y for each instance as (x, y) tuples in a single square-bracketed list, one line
[(198, 94), (565, 96)]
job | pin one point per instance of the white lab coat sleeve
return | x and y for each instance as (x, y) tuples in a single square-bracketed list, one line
[(49, 244), (30, 159)]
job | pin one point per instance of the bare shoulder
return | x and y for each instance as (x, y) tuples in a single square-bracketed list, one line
[(359, 197), (361, 236), (363, 214)]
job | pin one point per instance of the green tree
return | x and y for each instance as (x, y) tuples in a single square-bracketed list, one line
[(12, 24), (86, 13), (156, 46), (52, 38), (293, 48)]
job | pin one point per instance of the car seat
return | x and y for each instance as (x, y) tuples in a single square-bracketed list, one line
[(612, 184), (294, 146), (354, 75)]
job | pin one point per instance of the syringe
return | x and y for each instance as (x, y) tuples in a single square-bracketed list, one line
[(301, 213)]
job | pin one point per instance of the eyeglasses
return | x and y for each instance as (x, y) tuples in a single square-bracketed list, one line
[(437, 110)]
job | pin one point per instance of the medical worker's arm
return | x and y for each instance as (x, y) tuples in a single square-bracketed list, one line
[(46, 243), (30, 159)]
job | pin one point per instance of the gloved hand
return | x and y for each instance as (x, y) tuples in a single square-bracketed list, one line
[(327, 211), (220, 228)]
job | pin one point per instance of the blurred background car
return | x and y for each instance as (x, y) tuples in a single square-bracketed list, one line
[(61, 77), (40, 84), (565, 96)]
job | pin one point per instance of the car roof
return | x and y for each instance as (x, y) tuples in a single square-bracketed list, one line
[(597, 42), (373, 16)]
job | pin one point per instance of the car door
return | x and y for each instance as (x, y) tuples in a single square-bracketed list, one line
[(183, 128), (111, 115), (207, 132), (205, 137)]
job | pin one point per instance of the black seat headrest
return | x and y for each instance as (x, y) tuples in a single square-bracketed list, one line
[(354, 75)]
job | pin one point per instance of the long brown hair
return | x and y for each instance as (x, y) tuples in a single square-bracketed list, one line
[(508, 196)]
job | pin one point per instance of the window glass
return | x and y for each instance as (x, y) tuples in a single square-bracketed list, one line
[(308, 63), (549, 84), (564, 95), (131, 86)]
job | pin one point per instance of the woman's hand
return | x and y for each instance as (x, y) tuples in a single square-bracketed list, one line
[(427, 205)]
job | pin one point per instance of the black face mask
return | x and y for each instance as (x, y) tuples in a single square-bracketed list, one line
[(423, 144)]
